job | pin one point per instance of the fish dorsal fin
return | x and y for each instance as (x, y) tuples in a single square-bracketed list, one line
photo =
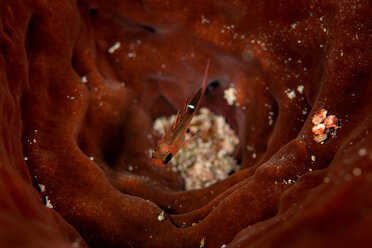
[(177, 120), (205, 80), (185, 107)]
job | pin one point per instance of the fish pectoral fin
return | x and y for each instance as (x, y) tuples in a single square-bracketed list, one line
[(194, 137), (167, 130)]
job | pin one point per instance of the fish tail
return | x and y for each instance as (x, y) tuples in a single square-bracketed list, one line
[(204, 85)]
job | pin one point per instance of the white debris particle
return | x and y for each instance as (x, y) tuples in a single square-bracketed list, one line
[(161, 216), (76, 243), (270, 117), (204, 20), (130, 168), (362, 152), (25, 158), (48, 203), (313, 158), (357, 171), (300, 89), (299, 41), (304, 111), (208, 159), (34, 140), (131, 55), (42, 187), (294, 25), (223, 246), (342, 53), (230, 95), (115, 47), (327, 180), (163, 66), (84, 79), (321, 45), (91, 158), (290, 93), (250, 148), (254, 155), (202, 243)]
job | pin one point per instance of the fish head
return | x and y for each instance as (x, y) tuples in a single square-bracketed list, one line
[(161, 156)]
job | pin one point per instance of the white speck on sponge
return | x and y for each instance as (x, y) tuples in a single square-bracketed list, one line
[(230, 95), (84, 79), (161, 216), (115, 47), (42, 187), (290, 93), (300, 89), (204, 20), (357, 171), (362, 152), (48, 203)]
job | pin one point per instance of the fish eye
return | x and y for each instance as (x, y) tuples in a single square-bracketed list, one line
[(168, 158)]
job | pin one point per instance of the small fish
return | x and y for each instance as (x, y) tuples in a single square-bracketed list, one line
[(174, 136)]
